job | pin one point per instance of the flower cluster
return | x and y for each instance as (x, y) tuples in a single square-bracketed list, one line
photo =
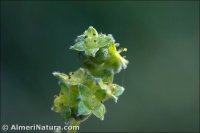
[(84, 91)]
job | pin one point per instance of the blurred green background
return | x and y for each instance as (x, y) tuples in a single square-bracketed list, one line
[(161, 81)]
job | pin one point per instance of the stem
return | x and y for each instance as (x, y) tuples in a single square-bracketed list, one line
[(73, 123)]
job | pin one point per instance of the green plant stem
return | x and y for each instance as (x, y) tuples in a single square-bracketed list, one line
[(73, 122)]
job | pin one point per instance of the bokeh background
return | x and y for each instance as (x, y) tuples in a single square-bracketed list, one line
[(161, 81)]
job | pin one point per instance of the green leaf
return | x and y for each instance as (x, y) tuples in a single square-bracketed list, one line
[(79, 46), (99, 111), (83, 109), (118, 90), (91, 32), (61, 76), (71, 79), (86, 95), (104, 40)]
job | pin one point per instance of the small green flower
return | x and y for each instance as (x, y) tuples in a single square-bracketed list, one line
[(90, 41), (82, 94)]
